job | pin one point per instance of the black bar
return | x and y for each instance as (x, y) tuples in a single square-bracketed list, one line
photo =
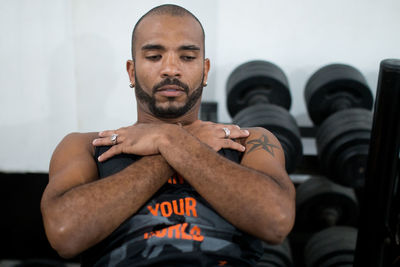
[(376, 244), (306, 131), (209, 111)]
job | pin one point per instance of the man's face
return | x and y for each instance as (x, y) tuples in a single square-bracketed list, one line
[(169, 68)]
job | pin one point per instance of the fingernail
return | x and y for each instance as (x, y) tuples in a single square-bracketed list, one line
[(94, 141), (237, 126), (243, 148), (247, 132)]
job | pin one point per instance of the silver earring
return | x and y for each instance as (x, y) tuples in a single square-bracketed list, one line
[(131, 85)]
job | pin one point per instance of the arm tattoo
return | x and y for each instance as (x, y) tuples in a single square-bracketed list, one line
[(262, 143)]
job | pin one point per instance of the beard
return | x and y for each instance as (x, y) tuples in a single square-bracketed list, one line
[(170, 112)]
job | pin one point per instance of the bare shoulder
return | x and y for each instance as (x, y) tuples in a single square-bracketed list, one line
[(72, 163), (74, 144), (264, 153), (261, 138), (78, 140), (262, 149)]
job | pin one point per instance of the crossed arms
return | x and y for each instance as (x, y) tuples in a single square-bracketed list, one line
[(79, 210)]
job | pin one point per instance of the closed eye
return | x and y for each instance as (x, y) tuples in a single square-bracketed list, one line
[(188, 58), (154, 57)]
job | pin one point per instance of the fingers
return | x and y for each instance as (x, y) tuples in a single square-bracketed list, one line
[(228, 143), (108, 138), (214, 135), (107, 133), (234, 131), (106, 141), (114, 150)]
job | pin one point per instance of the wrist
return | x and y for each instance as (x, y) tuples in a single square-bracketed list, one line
[(167, 134)]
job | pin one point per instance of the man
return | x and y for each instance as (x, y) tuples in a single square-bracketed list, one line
[(157, 193)]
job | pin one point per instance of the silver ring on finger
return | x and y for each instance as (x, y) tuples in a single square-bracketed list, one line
[(113, 138), (227, 132)]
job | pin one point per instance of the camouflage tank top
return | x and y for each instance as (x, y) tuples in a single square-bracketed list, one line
[(176, 227)]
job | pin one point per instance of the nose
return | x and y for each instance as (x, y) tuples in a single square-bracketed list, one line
[(170, 67)]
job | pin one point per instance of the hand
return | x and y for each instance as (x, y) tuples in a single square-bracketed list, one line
[(213, 135), (139, 139)]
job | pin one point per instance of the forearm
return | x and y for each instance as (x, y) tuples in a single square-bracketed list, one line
[(86, 214), (253, 201)]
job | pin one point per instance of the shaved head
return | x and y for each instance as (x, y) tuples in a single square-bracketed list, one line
[(168, 9)]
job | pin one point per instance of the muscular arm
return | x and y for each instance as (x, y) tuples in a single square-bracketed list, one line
[(256, 196), (78, 209)]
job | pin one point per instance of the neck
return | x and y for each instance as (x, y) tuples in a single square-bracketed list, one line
[(188, 118)]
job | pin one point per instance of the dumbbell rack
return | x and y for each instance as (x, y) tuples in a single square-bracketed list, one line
[(379, 224)]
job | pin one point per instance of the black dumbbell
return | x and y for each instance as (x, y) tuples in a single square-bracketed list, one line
[(321, 203), (41, 263), (276, 255), (259, 96), (339, 102), (331, 247)]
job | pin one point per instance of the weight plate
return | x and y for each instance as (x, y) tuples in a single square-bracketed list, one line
[(328, 244), (354, 152), (276, 255), (257, 81), (342, 122), (331, 152), (262, 110), (278, 121), (342, 260), (343, 143), (335, 87), (321, 203), (350, 152), (351, 165)]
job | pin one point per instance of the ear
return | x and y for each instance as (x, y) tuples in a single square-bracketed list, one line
[(206, 70), (130, 68)]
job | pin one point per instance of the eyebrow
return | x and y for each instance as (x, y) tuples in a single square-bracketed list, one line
[(153, 47), (189, 47), (160, 47)]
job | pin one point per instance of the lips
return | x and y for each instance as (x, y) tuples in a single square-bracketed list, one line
[(170, 90)]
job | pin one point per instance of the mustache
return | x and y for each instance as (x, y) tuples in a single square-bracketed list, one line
[(169, 81)]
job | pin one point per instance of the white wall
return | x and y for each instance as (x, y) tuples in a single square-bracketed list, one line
[(62, 62)]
